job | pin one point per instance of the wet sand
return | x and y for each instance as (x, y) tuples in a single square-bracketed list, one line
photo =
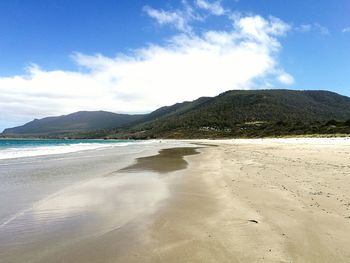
[(82, 207), (241, 201)]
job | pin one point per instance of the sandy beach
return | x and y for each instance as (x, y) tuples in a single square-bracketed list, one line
[(272, 200)]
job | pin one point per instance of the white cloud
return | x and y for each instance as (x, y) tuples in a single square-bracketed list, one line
[(186, 67), (263, 30), (213, 7), (346, 30), (286, 78)]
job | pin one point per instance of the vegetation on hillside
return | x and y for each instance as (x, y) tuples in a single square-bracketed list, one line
[(82, 121), (251, 113)]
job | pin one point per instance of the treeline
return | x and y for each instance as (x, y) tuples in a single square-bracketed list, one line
[(256, 129)]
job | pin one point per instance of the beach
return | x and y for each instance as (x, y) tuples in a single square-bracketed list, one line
[(270, 200)]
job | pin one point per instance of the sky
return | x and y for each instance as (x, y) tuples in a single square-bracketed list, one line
[(62, 56)]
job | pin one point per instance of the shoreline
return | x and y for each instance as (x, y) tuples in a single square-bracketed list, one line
[(261, 200), (59, 147), (254, 202), (88, 198)]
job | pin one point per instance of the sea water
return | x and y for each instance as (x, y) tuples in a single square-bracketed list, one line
[(11, 148)]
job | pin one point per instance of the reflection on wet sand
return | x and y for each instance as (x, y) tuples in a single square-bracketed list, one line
[(97, 220), (82, 212)]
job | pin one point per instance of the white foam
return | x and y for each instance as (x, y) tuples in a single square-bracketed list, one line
[(20, 152)]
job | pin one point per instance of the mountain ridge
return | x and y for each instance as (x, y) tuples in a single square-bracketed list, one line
[(230, 111), (75, 122)]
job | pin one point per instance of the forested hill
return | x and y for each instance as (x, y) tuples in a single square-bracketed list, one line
[(237, 113), (251, 113), (81, 121)]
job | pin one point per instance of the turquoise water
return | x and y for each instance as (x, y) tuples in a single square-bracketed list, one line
[(8, 143)]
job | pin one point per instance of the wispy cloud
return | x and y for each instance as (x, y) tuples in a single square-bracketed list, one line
[(186, 67), (322, 29), (346, 30), (316, 27), (214, 7), (175, 18), (180, 18), (304, 28)]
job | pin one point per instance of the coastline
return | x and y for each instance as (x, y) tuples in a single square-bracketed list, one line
[(23, 148), (55, 204), (257, 200)]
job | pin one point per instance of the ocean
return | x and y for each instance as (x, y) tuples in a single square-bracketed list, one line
[(12, 148)]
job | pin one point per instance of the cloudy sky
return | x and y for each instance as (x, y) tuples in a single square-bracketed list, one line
[(61, 56)]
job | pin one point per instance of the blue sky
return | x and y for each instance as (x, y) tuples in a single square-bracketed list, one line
[(48, 46)]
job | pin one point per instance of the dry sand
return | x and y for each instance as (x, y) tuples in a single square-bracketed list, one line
[(256, 201)]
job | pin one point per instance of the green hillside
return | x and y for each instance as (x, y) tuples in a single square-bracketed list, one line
[(81, 121), (251, 113), (237, 113)]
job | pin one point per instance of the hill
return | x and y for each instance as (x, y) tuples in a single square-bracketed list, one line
[(236, 113), (249, 113), (81, 121)]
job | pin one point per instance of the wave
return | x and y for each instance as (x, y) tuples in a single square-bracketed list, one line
[(20, 152)]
